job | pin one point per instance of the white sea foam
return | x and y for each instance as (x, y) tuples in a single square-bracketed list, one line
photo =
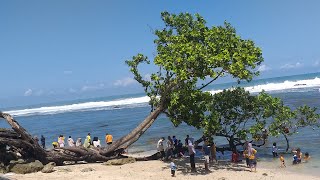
[(100, 105), (299, 85)]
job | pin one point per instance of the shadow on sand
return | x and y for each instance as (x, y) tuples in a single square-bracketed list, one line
[(183, 166)]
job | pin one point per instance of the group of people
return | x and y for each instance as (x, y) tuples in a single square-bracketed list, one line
[(171, 148), (71, 143), (174, 148), (297, 156)]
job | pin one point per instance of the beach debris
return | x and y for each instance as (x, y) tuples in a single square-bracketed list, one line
[(64, 170), (265, 174), (120, 161), (24, 168), (87, 169), (222, 178), (49, 168)]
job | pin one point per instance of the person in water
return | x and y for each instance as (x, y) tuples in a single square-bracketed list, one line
[(297, 155), (306, 157)]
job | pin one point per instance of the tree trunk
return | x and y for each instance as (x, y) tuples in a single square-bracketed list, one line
[(19, 140), (134, 135), (37, 150), (287, 140), (232, 143)]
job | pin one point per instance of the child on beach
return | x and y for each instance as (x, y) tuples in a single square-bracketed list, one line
[(282, 161), (173, 169)]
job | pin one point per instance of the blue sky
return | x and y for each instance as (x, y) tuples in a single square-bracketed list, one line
[(51, 50)]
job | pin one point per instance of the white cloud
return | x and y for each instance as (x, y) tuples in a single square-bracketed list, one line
[(292, 66), (264, 67), (125, 82), (28, 92), (316, 63), (92, 87), (67, 72)]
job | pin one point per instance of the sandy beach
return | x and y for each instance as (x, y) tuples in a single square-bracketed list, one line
[(160, 170)]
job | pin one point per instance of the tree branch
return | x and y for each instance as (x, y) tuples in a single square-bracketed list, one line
[(212, 80)]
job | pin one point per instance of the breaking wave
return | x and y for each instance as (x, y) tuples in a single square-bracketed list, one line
[(286, 86)]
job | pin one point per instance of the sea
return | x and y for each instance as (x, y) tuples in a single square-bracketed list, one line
[(118, 115)]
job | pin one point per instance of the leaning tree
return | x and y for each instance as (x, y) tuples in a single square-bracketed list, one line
[(190, 56)]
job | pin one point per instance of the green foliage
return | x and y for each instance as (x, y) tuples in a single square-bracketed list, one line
[(238, 115), (189, 52)]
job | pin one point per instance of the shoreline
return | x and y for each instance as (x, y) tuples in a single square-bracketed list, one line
[(157, 169)]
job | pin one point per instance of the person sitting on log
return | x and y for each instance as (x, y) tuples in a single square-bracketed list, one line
[(96, 142)]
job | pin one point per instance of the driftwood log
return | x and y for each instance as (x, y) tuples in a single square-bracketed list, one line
[(21, 142)]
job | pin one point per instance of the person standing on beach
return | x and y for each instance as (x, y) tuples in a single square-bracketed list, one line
[(192, 153), (206, 152), (109, 138), (213, 152), (43, 142), (245, 153), (87, 141), (71, 142), (160, 147), (252, 157), (169, 149), (274, 150)]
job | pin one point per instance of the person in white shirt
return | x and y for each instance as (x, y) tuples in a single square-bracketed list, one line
[(160, 147), (96, 142), (78, 143), (71, 142)]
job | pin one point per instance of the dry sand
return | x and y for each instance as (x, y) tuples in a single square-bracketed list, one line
[(160, 170)]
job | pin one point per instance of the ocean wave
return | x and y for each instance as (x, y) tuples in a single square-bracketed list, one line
[(87, 106), (286, 86)]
